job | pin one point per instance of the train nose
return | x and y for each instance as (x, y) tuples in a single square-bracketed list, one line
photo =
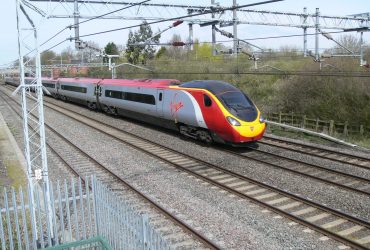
[(253, 130)]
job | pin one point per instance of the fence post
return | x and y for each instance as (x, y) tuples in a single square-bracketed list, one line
[(304, 121), (144, 222), (345, 130), (317, 124), (292, 118), (280, 117), (331, 127), (361, 129), (95, 203)]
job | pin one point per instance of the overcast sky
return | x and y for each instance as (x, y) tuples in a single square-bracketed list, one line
[(48, 27)]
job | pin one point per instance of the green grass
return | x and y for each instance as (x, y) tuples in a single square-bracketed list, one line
[(15, 173)]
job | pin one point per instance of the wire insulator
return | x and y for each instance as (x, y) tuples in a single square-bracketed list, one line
[(178, 44), (178, 22)]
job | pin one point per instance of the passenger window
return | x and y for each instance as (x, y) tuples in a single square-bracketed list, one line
[(207, 101), (160, 96)]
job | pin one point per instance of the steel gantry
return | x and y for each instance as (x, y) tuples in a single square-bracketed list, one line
[(214, 14), (33, 112), (150, 11)]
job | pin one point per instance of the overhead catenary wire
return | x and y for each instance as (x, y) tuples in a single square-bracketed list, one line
[(181, 17), (255, 38), (132, 5), (108, 13), (176, 18), (70, 26), (160, 21)]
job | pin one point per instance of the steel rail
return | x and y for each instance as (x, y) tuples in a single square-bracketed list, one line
[(310, 165), (203, 239), (175, 158), (152, 145), (334, 158)]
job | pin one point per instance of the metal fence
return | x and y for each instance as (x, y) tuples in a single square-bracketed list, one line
[(80, 211)]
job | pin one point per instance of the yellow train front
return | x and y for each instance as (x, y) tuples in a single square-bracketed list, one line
[(228, 113)]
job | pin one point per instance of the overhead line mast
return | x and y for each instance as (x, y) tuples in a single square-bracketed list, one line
[(33, 128)]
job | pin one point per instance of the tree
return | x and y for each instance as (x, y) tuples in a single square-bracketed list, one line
[(26, 60), (139, 48), (161, 52), (48, 57), (111, 49), (348, 41), (203, 51), (90, 51), (175, 51), (67, 55)]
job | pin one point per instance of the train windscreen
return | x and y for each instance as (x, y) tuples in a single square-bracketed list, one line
[(239, 105)]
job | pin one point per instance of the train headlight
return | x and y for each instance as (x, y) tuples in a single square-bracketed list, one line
[(233, 121), (261, 119)]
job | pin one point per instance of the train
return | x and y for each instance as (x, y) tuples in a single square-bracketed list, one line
[(211, 111)]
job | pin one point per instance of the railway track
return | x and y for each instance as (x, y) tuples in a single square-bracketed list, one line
[(346, 158), (343, 227), (82, 164), (329, 176)]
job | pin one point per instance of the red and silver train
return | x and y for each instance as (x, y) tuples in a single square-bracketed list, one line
[(207, 110)]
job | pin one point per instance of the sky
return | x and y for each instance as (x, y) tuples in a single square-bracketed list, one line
[(48, 27)]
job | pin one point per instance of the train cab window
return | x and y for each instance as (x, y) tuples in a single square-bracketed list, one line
[(207, 101), (160, 96)]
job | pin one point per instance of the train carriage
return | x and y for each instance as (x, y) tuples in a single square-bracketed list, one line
[(51, 85), (77, 90), (141, 99), (207, 110)]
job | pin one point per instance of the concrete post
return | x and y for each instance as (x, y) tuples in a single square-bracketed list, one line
[(235, 29), (317, 27), (305, 32), (191, 36)]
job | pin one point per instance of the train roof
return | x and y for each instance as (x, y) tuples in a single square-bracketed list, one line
[(215, 87), (124, 82), (142, 82)]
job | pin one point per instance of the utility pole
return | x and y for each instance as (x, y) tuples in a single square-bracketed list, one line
[(362, 62), (235, 28), (191, 36), (112, 66), (76, 15), (317, 33), (304, 31), (213, 32)]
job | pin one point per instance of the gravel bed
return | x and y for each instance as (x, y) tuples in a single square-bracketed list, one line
[(56, 168), (346, 168), (332, 196), (239, 224), (333, 146)]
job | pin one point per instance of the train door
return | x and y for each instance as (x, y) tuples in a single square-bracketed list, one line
[(160, 99), (58, 89), (97, 93)]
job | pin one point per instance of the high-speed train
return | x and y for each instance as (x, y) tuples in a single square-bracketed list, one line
[(207, 110)]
